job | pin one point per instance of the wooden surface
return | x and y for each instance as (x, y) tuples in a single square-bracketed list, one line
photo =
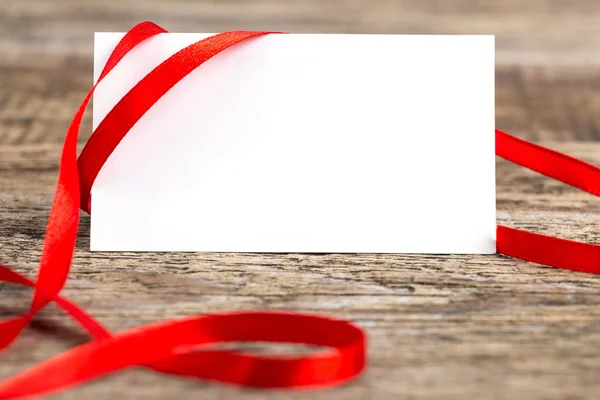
[(451, 327)]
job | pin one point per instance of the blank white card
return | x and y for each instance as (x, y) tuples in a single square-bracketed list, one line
[(304, 143)]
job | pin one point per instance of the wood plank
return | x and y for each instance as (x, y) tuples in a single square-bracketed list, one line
[(546, 32), (438, 325)]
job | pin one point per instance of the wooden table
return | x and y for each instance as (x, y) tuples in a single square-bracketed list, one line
[(452, 327)]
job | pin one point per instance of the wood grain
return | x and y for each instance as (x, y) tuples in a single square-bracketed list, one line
[(451, 327)]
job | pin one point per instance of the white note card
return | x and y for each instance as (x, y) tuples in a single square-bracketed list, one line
[(304, 143)]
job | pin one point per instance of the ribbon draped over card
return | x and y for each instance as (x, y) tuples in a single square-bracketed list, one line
[(175, 346)]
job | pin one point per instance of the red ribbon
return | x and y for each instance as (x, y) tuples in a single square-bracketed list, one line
[(541, 249), (175, 346)]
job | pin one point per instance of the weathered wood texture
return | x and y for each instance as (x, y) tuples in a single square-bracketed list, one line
[(452, 327)]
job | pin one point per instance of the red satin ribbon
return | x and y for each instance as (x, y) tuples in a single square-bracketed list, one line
[(541, 249), (171, 346)]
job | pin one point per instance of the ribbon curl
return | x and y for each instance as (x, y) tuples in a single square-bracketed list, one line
[(172, 346)]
